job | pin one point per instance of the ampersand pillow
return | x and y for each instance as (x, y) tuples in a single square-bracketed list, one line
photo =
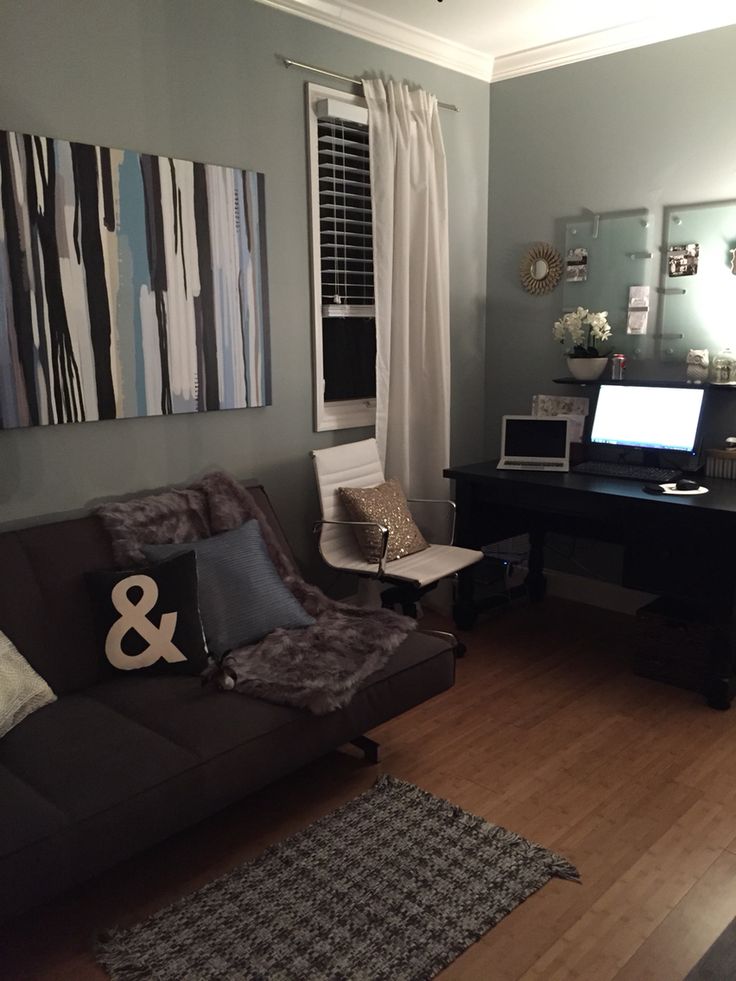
[(148, 619)]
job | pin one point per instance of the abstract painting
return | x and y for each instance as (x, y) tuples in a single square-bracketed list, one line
[(130, 284)]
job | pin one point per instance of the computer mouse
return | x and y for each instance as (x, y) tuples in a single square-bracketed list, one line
[(653, 488), (685, 484)]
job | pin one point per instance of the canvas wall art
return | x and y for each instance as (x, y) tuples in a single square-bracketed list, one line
[(130, 284)]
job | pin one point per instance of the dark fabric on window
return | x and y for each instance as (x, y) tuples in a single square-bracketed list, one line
[(349, 354)]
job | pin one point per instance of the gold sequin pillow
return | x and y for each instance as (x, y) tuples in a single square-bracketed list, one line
[(387, 505)]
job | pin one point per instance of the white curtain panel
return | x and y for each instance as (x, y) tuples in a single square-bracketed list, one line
[(412, 286)]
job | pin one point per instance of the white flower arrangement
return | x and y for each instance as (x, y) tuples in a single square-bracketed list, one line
[(584, 329)]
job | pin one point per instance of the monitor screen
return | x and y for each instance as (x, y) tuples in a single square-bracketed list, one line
[(656, 418), (535, 437)]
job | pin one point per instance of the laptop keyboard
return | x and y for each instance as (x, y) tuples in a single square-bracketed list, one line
[(539, 464), (629, 471)]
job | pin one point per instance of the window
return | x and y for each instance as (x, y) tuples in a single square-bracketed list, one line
[(342, 260)]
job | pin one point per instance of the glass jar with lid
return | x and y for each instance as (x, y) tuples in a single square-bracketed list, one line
[(723, 368)]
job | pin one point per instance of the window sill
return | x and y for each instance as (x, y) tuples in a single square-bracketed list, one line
[(345, 415)]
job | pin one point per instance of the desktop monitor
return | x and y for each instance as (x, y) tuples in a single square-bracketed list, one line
[(655, 419)]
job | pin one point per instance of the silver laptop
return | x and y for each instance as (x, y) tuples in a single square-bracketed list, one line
[(535, 443)]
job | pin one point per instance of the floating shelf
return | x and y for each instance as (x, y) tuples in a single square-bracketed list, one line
[(575, 381), (652, 382)]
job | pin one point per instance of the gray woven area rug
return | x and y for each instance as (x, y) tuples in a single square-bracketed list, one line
[(391, 887)]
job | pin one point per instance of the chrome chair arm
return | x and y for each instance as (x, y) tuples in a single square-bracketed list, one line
[(432, 500), (317, 530)]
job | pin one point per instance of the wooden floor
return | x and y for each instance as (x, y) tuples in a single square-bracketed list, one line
[(548, 732)]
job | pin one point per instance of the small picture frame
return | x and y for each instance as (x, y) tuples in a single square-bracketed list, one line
[(576, 265), (682, 260)]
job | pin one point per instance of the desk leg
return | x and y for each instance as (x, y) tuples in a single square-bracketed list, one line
[(465, 611), (720, 683), (535, 582)]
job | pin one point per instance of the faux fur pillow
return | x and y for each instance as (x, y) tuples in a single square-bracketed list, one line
[(387, 505)]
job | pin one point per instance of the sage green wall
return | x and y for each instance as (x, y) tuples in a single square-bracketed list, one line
[(643, 128), (201, 80)]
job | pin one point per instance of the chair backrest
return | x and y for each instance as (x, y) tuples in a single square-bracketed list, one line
[(347, 465)]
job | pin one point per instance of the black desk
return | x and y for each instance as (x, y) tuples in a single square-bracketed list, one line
[(684, 547)]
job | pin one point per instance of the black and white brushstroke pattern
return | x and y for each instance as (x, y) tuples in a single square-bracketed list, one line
[(130, 284)]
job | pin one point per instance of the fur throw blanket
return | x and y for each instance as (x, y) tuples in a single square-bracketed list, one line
[(319, 667)]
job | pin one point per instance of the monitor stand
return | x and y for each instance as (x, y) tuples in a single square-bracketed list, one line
[(651, 458)]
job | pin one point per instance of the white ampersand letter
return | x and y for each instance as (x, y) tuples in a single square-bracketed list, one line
[(133, 617)]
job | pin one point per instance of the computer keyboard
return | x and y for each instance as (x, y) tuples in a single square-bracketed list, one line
[(536, 465), (628, 471)]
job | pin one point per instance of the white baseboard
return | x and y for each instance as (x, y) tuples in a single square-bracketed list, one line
[(595, 592)]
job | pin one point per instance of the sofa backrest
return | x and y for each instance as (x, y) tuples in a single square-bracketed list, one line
[(45, 607)]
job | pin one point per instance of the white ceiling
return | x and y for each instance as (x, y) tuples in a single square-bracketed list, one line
[(496, 39)]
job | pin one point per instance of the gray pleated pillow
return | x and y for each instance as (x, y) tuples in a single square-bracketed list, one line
[(241, 595)]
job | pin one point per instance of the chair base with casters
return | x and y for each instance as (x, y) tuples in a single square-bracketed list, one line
[(407, 578), (405, 595)]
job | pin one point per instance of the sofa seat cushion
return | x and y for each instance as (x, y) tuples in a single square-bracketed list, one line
[(83, 757), (204, 720), (39, 817), (245, 743), (206, 747), (208, 721), (414, 650)]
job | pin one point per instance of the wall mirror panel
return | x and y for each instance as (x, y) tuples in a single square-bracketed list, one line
[(698, 286), (606, 255)]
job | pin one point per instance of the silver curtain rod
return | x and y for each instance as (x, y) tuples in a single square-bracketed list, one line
[(348, 78)]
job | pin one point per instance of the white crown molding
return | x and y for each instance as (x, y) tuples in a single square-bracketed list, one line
[(614, 39), (341, 15), (390, 33)]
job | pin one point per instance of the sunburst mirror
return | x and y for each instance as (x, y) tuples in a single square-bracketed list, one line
[(540, 268)]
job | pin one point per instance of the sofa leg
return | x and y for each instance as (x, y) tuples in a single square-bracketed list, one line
[(368, 747)]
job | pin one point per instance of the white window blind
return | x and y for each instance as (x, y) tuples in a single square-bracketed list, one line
[(342, 260), (345, 212)]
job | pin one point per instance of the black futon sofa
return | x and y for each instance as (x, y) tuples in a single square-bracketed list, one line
[(118, 763)]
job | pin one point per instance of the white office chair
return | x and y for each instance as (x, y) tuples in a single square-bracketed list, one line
[(410, 577)]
